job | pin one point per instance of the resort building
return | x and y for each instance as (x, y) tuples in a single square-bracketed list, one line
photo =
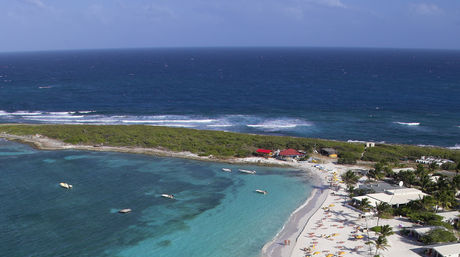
[(431, 159), (331, 152), (379, 187), (450, 217), (360, 172), (393, 197), (370, 144), (289, 154), (418, 232), (397, 170), (445, 250)]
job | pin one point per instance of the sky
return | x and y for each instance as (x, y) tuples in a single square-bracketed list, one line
[(28, 25)]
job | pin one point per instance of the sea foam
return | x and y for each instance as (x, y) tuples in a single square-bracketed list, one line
[(408, 123)]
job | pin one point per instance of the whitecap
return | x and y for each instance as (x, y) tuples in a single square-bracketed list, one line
[(273, 126), (408, 123), (3, 113), (174, 125), (169, 121), (26, 113), (38, 117), (456, 147), (280, 124), (219, 125)]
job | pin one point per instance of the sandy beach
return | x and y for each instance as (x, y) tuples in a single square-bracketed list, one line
[(325, 224)]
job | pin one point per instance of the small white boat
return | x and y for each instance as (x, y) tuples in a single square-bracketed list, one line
[(65, 185), (260, 191), (125, 211), (226, 170), (247, 171), (167, 196)]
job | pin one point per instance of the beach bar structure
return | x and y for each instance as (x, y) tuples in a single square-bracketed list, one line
[(393, 197), (444, 250), (331, 152), (264, 152), (289, 154)]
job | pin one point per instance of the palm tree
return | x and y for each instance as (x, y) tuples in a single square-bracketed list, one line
[(381, 208), (365, 205), (425, 182), (445, 198), (350, 178), (376, 174), (381, 243), (351, 191), (427, 203), (386, 230)]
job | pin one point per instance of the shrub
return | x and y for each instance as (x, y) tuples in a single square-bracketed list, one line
[(437, 236)]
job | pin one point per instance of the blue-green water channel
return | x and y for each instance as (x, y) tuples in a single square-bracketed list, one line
[(215, 213)]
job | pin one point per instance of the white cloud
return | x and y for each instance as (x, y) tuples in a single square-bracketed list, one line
[(426, 9), (330, 3), (37, 3)]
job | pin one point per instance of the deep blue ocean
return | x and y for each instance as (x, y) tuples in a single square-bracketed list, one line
[(391, 95)]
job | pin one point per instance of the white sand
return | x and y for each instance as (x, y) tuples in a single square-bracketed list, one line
[(332, 230)]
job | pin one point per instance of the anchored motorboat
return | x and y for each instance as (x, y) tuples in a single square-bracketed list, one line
[(247, 171), (260, 191), (124, 211), (226, 170), (167, 196), (65, 185)]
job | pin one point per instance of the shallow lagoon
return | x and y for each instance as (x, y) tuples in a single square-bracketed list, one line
[(215, 214)]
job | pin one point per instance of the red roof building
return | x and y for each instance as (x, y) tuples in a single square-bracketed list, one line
[(290, 153), (264, 151)]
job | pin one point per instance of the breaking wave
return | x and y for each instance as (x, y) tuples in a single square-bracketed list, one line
[(408, 123), (232, 122), (456, 147)]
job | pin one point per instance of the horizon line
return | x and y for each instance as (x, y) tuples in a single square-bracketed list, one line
[(228, 47)]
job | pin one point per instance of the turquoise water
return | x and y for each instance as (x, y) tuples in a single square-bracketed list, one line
[(215, 214)]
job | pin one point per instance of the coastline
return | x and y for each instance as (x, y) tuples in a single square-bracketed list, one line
[(298, 220), (292, 229)]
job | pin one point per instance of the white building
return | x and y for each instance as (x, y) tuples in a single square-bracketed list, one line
[(431, 159), (446, 250), (393, 197), (449, 216)]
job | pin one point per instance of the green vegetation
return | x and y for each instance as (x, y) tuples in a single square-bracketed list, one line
[(385, 230), (423, 211), (202, 142), (437, 236), (350, 178), (392, 153), (381, 243), (384, 211), (219, 143)]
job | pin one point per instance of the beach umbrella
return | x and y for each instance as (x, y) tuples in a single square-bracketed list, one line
[(329, 255), (315, 253), (335, 234), (341, 253), (359, 237), (331, 205)]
